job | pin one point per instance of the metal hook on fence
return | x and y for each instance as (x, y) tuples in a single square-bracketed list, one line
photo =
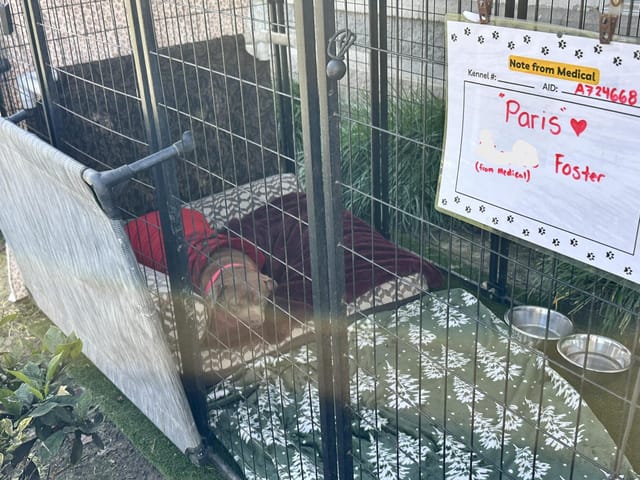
[(609, 21), (341, 40), (484, 10)]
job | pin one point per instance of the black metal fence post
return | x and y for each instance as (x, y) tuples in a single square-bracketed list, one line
[(284, 91), (44, 70), (140, 22), (498, 266), (319, 102), (523, 7), (334, 208), (379, 114), (309, 99), (499, 249)]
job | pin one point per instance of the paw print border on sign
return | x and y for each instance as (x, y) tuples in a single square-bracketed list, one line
[(527, 39)]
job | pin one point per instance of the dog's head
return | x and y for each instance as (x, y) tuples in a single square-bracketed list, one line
[(236, 295)]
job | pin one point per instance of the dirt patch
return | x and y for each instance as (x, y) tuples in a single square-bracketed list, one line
[(118, 459)]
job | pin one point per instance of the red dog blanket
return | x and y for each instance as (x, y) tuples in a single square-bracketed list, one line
[(146, 240), (280, 229)]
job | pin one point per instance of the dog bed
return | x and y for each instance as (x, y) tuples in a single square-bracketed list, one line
[(230, 206), (428, 381)]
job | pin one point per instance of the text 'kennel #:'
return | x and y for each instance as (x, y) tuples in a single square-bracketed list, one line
[(361, 239)]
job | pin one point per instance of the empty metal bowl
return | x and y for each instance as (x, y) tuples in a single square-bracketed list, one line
[(596, 353), (531, 324)]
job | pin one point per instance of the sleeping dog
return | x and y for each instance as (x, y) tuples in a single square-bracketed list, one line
[(225, 271), (236, 295), (232, 274)]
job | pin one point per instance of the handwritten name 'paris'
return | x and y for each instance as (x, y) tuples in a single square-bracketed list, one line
[(534, 121)]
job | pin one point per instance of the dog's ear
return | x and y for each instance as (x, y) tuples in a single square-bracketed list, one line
[(268, 285)]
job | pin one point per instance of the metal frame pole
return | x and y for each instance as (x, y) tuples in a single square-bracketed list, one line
[(322, 165), (379, 114), (284, 92), (38, 42), (140, 22)]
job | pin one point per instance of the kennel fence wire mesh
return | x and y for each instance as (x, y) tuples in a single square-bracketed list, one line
[(244, 78)]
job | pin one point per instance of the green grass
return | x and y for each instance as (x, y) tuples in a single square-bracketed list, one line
[(413, 151)]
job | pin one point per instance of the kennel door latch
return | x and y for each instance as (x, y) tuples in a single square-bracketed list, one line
[(103, 182), (340, 43)]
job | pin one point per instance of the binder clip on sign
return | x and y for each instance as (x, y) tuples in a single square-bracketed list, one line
[(609, 21), (484, 10)]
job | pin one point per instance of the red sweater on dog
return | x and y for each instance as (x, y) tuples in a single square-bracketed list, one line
[(146, 240)]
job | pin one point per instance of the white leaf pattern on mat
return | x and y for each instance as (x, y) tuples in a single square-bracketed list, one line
[(468, 299), (525, 463), (494, 365), (299, 466), (368, 335), (411, 449), (403, 390), (248, 424), (274, 396), (305, 355), (371, 420), (458, 459), (558, 432), (361, 382), (420, 336), (309, 410), (489, 431), (272, 430), (248, 472), (562, 388), (512, 421), (446, 315), (453, 359), (431, 369), (464, 391), (413, 309), (385, 462)]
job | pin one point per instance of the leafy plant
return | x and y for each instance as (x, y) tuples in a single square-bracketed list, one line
[(412, 154), (413, 140), (613, 306), (40, 409)]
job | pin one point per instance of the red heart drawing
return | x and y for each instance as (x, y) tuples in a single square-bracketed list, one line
[(501, 94), (578, 126)]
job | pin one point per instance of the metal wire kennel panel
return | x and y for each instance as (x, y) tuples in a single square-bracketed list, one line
[(110, 82), (435, 388), (385, 141)]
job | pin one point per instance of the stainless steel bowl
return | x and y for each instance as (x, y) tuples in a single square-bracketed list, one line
[(595, 353), (532, 325)]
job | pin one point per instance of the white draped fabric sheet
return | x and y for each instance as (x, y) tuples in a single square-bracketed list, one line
[(79, 268)]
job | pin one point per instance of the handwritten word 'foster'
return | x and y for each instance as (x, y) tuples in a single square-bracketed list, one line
[(575, 172)]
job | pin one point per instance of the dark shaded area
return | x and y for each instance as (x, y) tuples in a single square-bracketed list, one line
[(213, 88)]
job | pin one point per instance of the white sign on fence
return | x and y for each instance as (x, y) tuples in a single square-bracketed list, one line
[(543, 141)]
